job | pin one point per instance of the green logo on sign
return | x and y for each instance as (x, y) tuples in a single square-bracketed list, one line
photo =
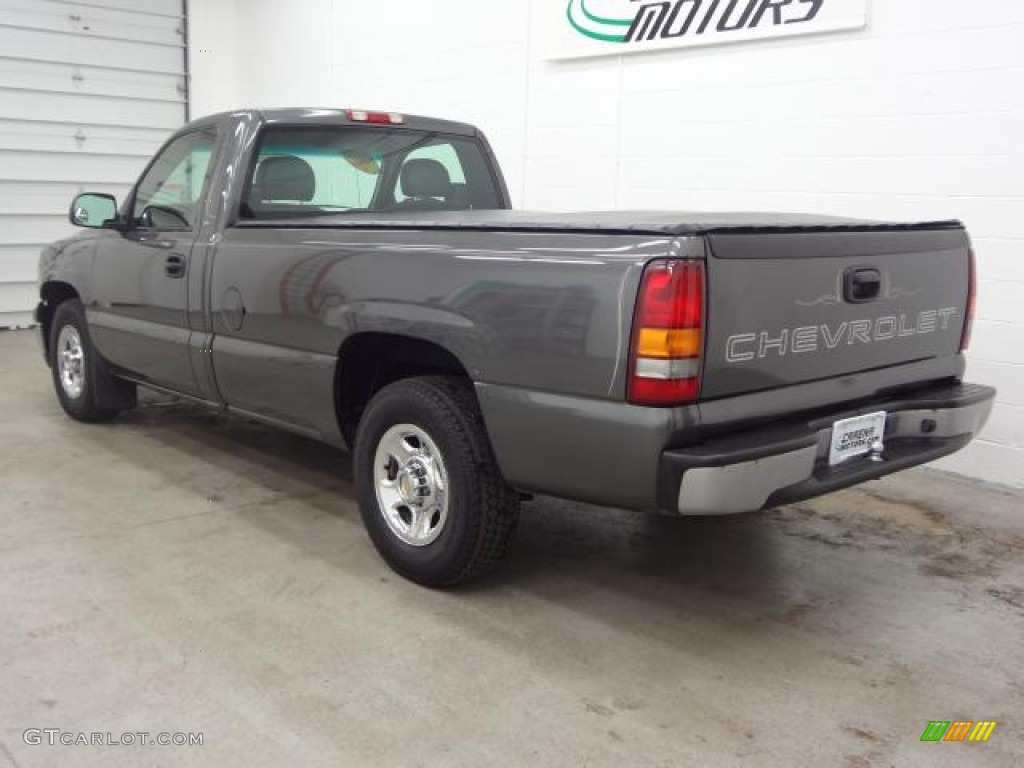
[(596, 27), (686, 20)]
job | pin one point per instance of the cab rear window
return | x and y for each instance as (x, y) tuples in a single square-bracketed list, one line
[(303, 172)]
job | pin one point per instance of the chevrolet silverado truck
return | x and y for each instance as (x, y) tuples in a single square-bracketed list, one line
[(359, 277)]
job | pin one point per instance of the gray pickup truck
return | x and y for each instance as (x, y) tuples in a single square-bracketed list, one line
[(359, 277)]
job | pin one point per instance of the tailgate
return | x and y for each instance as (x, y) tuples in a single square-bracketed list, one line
[(786, 307)]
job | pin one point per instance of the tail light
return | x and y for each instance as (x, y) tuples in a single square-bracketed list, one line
[(376, 118), (972, 297), (668, 336)]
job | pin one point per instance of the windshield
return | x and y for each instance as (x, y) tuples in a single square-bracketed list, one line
[(303, 172)]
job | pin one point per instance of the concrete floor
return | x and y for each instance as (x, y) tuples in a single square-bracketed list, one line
[(180, 571)]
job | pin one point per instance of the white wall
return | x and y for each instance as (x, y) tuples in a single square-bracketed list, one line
[(212, 57), (919, 116)]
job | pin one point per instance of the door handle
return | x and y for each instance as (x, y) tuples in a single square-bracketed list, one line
[(175, 266), (862, 285)]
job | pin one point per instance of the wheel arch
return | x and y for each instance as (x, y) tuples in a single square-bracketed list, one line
[(52, 294), (370, 360)]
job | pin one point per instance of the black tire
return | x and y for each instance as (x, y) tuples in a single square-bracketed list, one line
[(100, 396), (482, 511)]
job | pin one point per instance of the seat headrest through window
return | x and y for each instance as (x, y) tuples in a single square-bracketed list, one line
[(425, 178), (284, 178)]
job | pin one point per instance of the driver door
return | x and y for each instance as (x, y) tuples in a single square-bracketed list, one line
[(139, 321)]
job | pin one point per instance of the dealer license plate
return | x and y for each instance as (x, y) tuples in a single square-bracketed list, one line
[(855, 437)]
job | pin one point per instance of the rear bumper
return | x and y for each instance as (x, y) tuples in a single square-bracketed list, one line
[(788, 462)]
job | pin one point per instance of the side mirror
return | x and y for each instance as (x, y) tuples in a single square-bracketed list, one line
[(93, 211)]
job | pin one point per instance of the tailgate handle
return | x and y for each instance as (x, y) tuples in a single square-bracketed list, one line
[(862, 285)]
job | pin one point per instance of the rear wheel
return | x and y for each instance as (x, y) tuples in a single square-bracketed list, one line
[(431, 496), (85, 389)]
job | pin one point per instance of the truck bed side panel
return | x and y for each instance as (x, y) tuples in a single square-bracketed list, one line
[(540, 310)]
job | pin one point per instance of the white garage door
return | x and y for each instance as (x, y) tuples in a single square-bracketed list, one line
[(88, 91)]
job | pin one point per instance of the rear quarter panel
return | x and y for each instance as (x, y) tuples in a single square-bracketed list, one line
[(541, 311)]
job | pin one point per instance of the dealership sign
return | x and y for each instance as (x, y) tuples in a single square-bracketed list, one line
[(577, 28)]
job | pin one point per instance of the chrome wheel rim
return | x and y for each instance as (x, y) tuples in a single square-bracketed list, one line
[(71, 362), (412, 485)]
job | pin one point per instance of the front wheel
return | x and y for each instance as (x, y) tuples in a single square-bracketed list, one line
[(431, 495), (86, 391)]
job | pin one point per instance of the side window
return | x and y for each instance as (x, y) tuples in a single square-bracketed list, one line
[(169, 195)]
